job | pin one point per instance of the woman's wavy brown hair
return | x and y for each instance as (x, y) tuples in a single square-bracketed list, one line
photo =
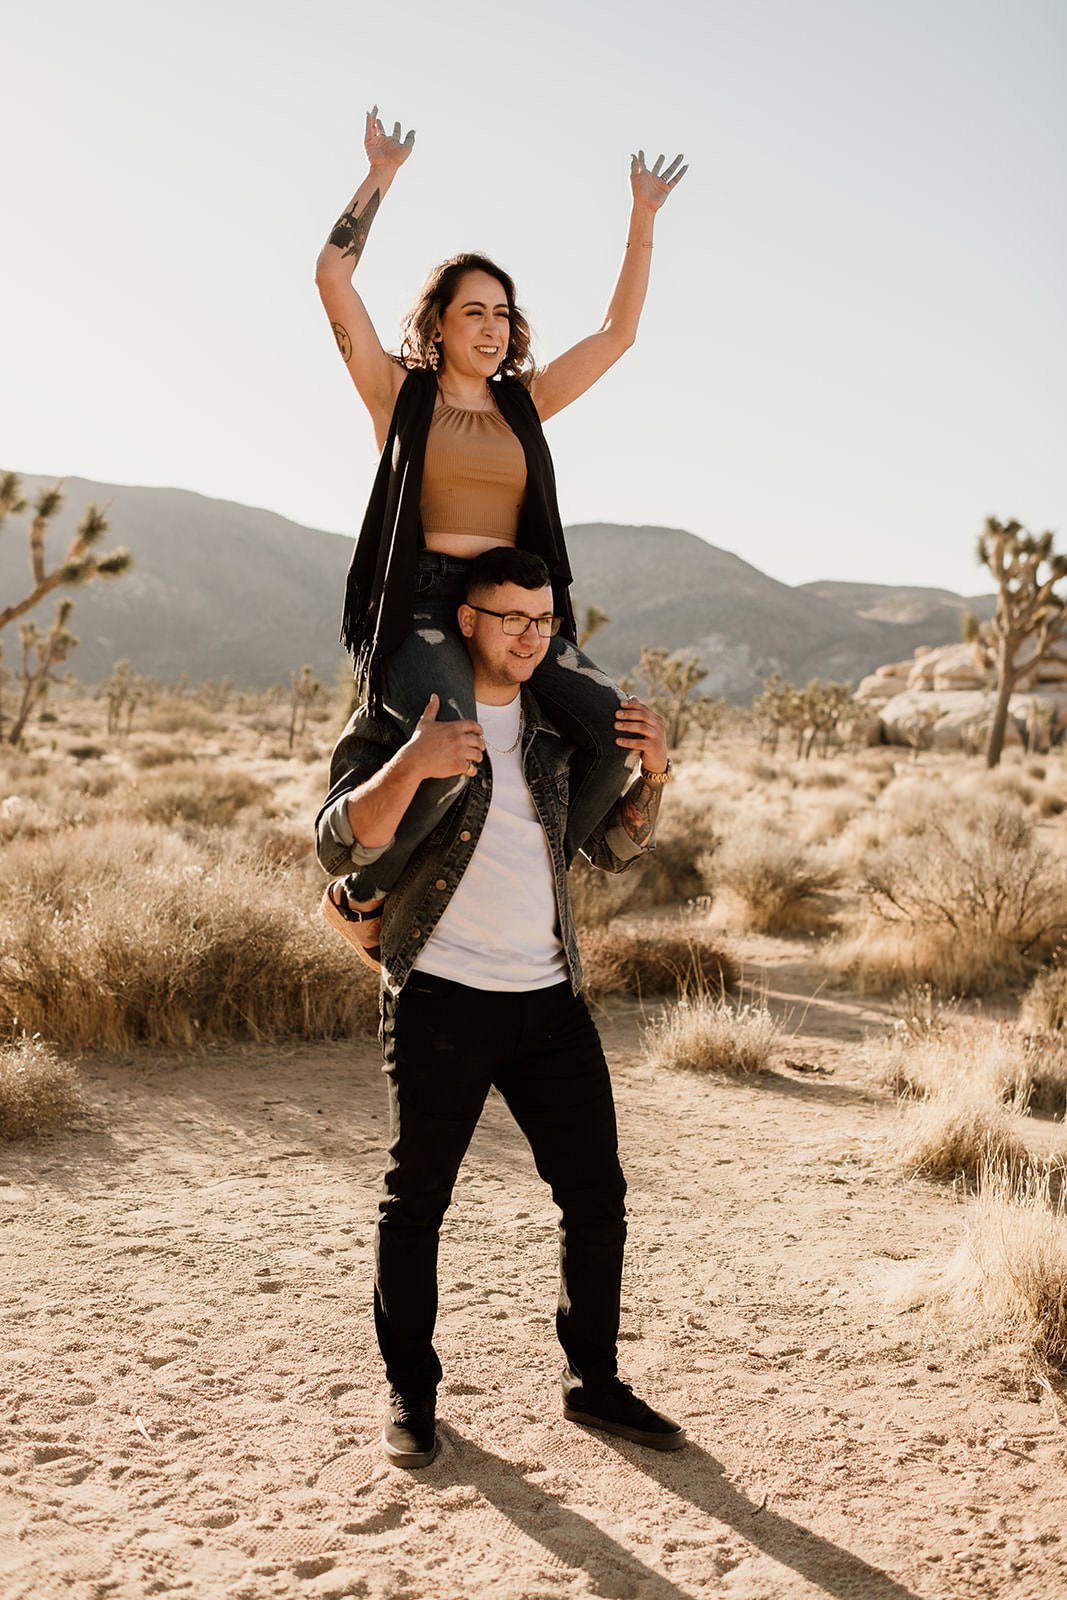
[(439, 291)]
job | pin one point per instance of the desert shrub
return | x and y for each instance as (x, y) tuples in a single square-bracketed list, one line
[(671, 874), (1008, 1278), (597, 897), (969, 899), (209, 796), (140, 936), (818, 776), (826, 824), (20, 815), (86, 752), (1044, 1077), (994, 1063), (668, 875), (702, 1033), (175, 714), (37, 1088), (766, 880), (661, 961), (956, 1137), (1045, 1004), (160, 755), (1051, 803)]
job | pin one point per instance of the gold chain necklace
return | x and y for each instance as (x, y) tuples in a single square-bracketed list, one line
[(511, 749)]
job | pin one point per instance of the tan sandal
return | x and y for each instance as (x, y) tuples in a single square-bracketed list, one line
[(348, 922)]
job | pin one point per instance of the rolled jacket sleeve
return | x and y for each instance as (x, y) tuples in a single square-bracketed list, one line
[(363, 748), (611, 848)]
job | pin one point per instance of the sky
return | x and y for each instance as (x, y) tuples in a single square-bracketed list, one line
[(853, 348)]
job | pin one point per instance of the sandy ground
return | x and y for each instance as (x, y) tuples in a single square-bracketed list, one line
[(192, 1397)]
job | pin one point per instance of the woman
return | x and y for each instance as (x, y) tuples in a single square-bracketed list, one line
[(465, 467)]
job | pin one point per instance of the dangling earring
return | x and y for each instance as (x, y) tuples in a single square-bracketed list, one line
[(433, 356)]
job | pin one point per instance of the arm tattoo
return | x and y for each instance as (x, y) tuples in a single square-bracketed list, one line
[(640, 808), (350, 232), (344, 343)]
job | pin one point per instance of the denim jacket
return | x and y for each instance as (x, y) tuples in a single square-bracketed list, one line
[(414, 906)]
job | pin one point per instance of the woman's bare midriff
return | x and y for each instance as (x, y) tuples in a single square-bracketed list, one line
[(464, 546)]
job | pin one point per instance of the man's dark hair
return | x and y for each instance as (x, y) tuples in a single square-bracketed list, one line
[(506, 564)]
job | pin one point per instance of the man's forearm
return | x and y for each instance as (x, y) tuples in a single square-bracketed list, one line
[(639, 809), (376, 808)]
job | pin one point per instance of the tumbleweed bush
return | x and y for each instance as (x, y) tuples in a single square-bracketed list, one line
[(38, 1089), (702, 1033)]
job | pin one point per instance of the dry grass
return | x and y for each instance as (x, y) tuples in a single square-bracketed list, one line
[(38, 1090), (661, 961), (191, 792), (965, 896), (1008, 1279), (597, 897), (768, 881), (703, 1034), (994, 1063), (178, 714), (955, 1138), (138, 936), (1045, 1005)]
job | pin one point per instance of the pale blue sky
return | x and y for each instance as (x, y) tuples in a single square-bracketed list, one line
[(854, 345)]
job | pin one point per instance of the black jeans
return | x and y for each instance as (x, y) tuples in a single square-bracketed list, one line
[(444, 1045)]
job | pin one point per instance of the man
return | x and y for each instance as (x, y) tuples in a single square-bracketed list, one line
[(481, 979)]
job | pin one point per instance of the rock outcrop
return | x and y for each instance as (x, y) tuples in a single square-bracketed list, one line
[(943, 698)]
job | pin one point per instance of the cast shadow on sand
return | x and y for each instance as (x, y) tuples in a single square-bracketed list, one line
[(690, 1475)]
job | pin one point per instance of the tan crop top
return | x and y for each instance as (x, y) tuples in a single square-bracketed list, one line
[(473, 476)]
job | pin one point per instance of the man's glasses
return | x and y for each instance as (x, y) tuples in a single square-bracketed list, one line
[(517, 622)]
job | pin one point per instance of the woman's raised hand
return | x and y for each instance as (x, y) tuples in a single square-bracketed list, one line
[(384, 149), (651, 188)]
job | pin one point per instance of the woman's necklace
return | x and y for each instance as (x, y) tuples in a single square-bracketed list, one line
[(488, 406), (514, 745)]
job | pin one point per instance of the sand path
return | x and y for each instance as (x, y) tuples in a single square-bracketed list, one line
[(192, 1397)]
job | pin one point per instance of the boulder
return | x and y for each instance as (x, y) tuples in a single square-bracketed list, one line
[(879, 687), (960, 712), (950, 666)]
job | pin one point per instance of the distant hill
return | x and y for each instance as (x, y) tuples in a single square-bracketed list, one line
[(666, 587), (224, 590)]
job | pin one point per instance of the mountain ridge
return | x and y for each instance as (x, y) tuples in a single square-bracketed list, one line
[(219, 589)]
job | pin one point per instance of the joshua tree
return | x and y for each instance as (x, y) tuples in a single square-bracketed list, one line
[(593, 619), (303, 690), (669, 679), (1030, 612), (707, 713), (81, 562), (816, 709), (41, 654), (124, 694), (80, 565)]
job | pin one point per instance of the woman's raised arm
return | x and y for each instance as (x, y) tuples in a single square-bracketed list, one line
[(374, 373), (578, 368)]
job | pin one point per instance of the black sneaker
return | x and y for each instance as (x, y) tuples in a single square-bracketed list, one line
[(409, 1436), (616, 1409)]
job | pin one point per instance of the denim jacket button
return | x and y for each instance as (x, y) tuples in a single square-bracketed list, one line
[(440, 884), (464, 836), (416, 933)]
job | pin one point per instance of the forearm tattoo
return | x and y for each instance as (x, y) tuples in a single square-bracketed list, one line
[(344, 343), (350, 232), (640, 808)]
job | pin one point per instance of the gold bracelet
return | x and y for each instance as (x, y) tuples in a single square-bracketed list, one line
[(656, 778)]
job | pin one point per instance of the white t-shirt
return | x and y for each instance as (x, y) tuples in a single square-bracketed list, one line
[(500, 928)]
